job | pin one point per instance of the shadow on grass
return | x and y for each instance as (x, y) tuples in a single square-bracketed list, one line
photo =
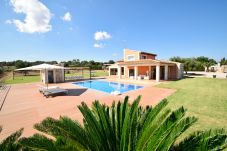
[(195, 74), (188, 77)]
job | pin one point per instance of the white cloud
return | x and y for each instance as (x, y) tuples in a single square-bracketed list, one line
[(8, 21), (101, 35), (37, 16), (67, 17), (98, 45)]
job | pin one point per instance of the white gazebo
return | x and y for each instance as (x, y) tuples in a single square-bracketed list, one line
[(49, 73)]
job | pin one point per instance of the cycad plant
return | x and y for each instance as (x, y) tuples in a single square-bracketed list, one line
[(11, 142), (123, 127)]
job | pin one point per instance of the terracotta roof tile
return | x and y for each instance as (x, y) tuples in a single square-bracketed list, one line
[(145, 61)]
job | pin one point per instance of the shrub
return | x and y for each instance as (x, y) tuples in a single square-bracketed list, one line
[(124, 126)]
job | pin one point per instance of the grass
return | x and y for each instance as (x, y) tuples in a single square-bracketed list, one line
[(36, 78), (205, 98), (86, 74), (22, 79)]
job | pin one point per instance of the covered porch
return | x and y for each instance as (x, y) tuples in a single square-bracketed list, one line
[(150, 71)]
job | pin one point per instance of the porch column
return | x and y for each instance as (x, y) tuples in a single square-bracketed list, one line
[(128, 72), (109, 71), (157, 73), (166, 72), (135, 72), (125, 72), (119, 72), (149, 70)]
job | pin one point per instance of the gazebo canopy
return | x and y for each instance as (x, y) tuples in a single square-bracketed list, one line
[(41, 67)]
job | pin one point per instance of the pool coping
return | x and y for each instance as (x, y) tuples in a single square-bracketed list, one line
[(142, 86)]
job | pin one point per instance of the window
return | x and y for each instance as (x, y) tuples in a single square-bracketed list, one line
[(113, 71), (143, 57), (131, 57), (122, 70)]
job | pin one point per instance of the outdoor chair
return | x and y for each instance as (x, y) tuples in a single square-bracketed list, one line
[(43, 88), (146, 77), (131, 77), (53, 92), (140, 77)]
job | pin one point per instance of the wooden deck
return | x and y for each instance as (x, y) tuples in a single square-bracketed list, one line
[(24, 105)]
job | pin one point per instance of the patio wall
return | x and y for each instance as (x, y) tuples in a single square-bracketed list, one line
[(142, 70), (172, 72)]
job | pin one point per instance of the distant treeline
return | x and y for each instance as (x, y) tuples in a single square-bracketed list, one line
[(198, 63), (93, 64), (11, 65)]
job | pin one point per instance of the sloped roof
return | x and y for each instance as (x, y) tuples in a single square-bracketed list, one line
[(148, 53), (41, 67), (146, 61)]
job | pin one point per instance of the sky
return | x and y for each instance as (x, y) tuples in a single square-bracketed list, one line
[(100, 29)]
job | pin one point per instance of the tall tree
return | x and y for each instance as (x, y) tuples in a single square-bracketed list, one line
[(223, 61), (195, 64), (206, 62)]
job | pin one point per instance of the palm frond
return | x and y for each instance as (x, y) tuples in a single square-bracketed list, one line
[(124, 126), (11, 142), (64, 127), (203, 140), (38, 142)]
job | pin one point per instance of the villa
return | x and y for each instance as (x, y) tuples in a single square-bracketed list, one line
[(139, 65), (23, 105)]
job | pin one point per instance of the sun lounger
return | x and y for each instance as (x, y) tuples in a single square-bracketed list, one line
[(43, 88), (53, 92), (131, 77)]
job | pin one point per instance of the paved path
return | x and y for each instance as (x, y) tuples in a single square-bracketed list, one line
[(207, 74)]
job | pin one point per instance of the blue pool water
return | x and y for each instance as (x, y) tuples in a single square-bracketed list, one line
[(108, 87)]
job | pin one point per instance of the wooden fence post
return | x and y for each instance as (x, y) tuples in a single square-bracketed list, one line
[(90, 72), (13, 75)]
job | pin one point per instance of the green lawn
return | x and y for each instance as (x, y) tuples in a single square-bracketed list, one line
[(96, 73), (22, 79), (204, 98), (29, 79)]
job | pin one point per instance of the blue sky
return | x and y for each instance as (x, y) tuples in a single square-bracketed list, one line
[(65, 29)]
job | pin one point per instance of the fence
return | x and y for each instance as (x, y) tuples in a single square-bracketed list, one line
[(78, 73), (4, 89)]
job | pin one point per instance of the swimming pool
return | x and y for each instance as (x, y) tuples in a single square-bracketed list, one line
[(108, 87)]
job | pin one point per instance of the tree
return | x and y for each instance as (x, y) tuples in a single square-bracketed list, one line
[(186, 65), (177, 59), (223, 61), (195, 64), (1, 70), (20, 64), (185, 61), (110, 62), (11, 142), (124, 126), (206, 62)]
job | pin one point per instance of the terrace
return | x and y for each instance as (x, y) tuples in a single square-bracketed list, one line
[(24, 105)]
